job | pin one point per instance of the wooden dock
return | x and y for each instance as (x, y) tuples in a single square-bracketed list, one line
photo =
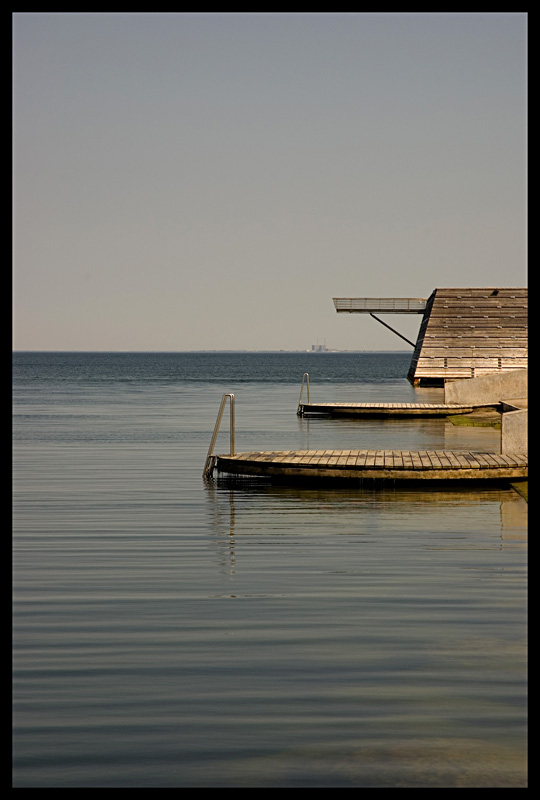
[(390, 410), (379, 465)]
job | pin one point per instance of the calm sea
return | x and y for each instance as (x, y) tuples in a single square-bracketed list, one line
[(174, 633)]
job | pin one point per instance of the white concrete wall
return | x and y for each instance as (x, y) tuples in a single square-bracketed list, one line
[(487, 388)]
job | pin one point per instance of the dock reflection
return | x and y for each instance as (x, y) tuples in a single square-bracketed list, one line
[(231, 508), (395, 434)]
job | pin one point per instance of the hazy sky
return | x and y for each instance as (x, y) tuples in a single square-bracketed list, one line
[(210, 180)]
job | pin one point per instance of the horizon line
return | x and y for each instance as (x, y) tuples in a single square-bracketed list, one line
[(212, 350)]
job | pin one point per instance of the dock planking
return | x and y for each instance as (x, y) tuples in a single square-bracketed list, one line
[(358, 465), (384, 410)]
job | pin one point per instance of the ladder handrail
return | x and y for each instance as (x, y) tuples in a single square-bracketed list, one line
[(299, 409), (210, 458)]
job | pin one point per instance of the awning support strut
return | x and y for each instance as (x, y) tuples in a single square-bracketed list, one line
[(392, 329)]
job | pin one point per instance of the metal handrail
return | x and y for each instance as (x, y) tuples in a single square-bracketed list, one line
[(299, 409), (387, 305), (210, 458)]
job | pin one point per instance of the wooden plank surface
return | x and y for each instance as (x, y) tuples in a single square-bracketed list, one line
[(391, 409), (386, 464)]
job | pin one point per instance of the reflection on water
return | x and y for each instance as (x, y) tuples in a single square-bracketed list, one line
[(172, 633), (229, 497), (429, 762), (415, 672), (394, 434)]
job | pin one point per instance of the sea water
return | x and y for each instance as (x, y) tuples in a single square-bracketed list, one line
[(172, 632)]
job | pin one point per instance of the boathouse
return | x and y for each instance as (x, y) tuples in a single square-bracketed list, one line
[(464, 333)]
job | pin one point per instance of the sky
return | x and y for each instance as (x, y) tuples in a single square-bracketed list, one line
[(211, 180)]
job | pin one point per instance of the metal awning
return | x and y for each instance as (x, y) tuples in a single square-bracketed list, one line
[(385, 305)]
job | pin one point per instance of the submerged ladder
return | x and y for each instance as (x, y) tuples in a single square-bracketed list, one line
[(210, 462)]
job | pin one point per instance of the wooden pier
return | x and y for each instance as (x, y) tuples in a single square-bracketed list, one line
[(390, 410), (411, 466), (379, 465)]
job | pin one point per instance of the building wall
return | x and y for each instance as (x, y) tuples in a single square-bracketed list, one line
[(470, 332)]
